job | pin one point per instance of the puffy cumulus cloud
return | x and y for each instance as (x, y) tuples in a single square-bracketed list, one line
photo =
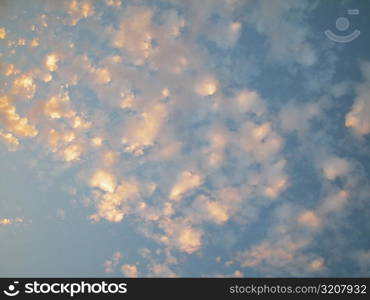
[(2, 33), (334, 202), (58, 139), (72, 152), (10, 140), (217, 211), (111, 264), (13, 122), (24, 86), (207, 86), (186, 181), (189, 240), (79, 10), (296, 116), (317, 264), (130, 271), (227, 203), (67, 144), (103, 180), (250, 102), (101, 76), (159, 262), (334, 167), (309, 219), (181, 235), (224, 33), (135, 33), (272, 180), (59, 106), (178, 148), (358, 118), (51, 62), (272, 255), (261, 141), (218, 139), (117, 200), (9, 70), (141, 131), (161, 270), (289, 40), (287, 247), (8, 221)]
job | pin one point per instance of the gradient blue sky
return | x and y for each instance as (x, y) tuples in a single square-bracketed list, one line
[(184, 138)]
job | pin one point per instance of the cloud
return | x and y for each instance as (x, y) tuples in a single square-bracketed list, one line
[(187, 181), (159, 270), (103, 180), (59, 107), (8, 221), (309, 219), (51, 62), (288, 37), (2, 33), (111, 264), (130, 271), (135, 34), (317, 264), (334, 167), (207, 86), (181, 235), (13, 122), (80, 10), (10, 140), (158, 136), (296, 116), (142, 131), (358, 118)]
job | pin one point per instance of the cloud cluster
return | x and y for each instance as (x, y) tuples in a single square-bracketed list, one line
[(126, 96)]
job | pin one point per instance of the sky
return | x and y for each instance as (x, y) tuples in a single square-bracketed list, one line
[(171, 138)]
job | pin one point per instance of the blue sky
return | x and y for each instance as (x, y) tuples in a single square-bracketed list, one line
[(184, 138)]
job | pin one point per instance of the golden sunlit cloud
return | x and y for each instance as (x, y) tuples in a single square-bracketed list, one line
[(358, 118), (207, 86), (103, 180), (10, 140), (72, 152), (309, 219), (143, 130), (2, 33), (24, 86), (59, 107), (7, 221), (102, 76), (317, 265), (97, 141), (186, 181), (80, 10), (133, 103), (130, 271), (51, 62), (189, 240), (13, 122), (217, 212)]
